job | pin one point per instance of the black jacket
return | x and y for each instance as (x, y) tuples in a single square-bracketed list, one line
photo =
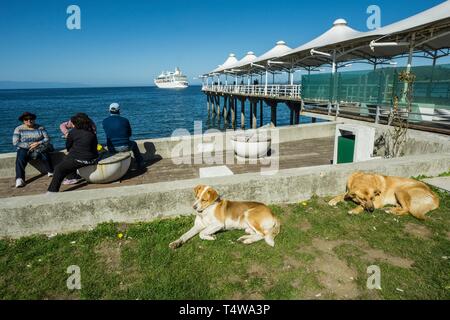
[(82, 144)]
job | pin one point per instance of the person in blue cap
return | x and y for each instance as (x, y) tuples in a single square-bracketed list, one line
[(118, 133)]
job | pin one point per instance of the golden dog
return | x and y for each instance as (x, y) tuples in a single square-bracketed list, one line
[(215, 214), (374, 191)]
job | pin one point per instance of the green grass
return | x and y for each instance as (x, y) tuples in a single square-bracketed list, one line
[(318, 250)]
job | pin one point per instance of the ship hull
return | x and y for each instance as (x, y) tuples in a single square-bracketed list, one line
[(171, 85)]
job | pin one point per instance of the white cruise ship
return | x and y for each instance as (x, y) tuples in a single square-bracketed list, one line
[(172, 80)]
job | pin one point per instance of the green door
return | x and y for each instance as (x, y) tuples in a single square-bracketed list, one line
[(346, 149)]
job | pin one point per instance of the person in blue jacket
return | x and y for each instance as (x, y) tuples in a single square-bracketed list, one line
[(118, 133)]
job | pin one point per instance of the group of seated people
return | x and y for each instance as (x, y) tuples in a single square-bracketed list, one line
[(33, 143)]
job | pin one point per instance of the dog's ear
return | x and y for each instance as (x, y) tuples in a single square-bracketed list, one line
[(212, 195), (197, 189)]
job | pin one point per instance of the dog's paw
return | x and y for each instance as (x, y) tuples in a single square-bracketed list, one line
[(354, 212), (207, 237), (241, 239), (176, 244), (333, 202)]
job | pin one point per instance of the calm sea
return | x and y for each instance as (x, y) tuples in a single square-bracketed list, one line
[(153, 112)]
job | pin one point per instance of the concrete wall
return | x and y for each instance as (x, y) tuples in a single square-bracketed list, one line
[(418, 142), (78, 210), (163, 147)]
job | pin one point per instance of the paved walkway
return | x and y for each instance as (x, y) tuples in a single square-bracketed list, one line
[(296, 154), (441, 183)]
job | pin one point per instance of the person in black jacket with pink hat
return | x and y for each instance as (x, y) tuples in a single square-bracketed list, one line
[(81, 144)]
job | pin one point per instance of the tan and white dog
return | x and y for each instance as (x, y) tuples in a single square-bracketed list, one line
[(215, 214), (374, 191)]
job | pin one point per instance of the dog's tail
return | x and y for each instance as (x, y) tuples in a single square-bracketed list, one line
[(270, 236)]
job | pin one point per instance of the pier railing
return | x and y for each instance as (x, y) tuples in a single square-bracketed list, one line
[(275, 90)]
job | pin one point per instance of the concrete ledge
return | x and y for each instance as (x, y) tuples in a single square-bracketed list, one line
[(418, 142), (163, 148), (80, 210)]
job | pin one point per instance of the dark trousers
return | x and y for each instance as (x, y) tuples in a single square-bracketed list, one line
[(23, 158), (68, 166), (132, 145)]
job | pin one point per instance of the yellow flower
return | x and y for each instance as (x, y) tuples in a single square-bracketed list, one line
[(99, 147), (120, 235), (304, 203)]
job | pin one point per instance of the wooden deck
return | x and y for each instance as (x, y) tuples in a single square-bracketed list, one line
[(304, 153)]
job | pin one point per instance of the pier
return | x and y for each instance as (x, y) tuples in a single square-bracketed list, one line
[(366, 95)]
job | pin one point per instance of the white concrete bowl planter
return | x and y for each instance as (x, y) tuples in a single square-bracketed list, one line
[(107, 170), (251, 145)]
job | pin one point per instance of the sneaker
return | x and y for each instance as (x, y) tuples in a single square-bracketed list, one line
[(70, 181), (50, 174), (20, 183)]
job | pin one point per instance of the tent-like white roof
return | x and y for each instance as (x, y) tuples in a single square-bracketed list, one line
[(280, 49), (340, 32), (248, 58), (430, 16), (356, 45), (228, 62), (431, 29)]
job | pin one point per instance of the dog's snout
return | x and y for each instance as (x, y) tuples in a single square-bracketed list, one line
[(371, 209)]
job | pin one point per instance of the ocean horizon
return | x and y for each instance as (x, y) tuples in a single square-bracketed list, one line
[(153, 112)]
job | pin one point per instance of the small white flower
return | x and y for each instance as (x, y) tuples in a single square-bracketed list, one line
[(399, 290), (318, 295)]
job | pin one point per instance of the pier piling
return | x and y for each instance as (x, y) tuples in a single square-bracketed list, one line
[(242, 113), (261, 115), (273, 113)]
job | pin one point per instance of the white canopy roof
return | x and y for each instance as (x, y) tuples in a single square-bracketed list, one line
[(248, 58), (431, 29), (229, 62), (280, 49), (340, 32), (354, 45), (432, 15)]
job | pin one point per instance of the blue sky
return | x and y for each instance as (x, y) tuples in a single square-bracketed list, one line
[(131, 42)]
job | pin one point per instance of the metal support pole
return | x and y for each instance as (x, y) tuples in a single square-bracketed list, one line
[(273, 114), (265, 83), (218, 106), (297, 114), (261, 117), (233, 113), (225, 108), (254, 121), (377, 115), (291, 116), (243, 113)]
